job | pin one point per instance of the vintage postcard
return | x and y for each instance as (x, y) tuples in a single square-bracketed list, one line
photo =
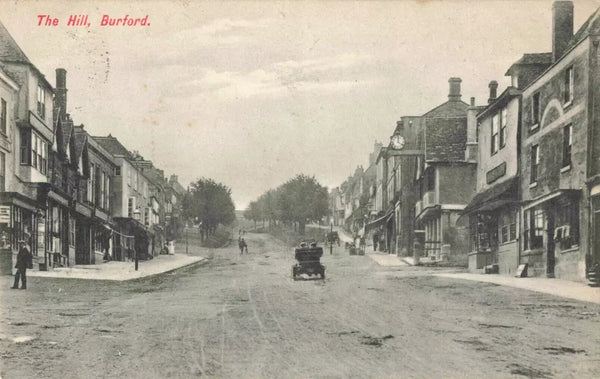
[(299, 189)]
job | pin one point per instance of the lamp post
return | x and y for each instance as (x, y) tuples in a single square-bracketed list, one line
[(136, 216), (331, 240), (186, 238)]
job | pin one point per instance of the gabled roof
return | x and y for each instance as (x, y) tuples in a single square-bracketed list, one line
[(67, 131), (9, 49), (448, 109), (10, 52), (113, 146), (80, 140), (590, 26)]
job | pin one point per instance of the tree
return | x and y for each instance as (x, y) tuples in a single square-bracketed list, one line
[(209, 203), (253, 212), (302, 200)]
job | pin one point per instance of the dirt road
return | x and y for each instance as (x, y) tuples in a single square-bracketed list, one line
[(244, 317)]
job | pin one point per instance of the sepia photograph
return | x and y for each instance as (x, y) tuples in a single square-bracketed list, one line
[(300, 189)]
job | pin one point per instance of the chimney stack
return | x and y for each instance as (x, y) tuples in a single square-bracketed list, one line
[(454, 94), (61, 90), (493, 91), (471, 147), (562, 27)]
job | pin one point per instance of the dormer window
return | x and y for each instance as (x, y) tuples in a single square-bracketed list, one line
[(41, 101)]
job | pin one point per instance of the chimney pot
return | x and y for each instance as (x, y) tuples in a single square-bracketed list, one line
[(562, 27), (493, 91), (454, 94), (472, 101)]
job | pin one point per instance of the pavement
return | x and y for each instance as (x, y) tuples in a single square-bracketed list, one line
[(121, 271), (557, 287), (388, 260)]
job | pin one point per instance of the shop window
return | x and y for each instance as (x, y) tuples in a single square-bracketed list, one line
[(534, 228), (508, 227), (513, 231), (566, 232)]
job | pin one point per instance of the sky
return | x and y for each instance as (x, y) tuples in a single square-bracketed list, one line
[(251, 94)]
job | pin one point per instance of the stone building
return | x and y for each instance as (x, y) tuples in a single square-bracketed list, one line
[(407, 147), (560, 165), (100, 195), (29, 111), (494, 211), (445, 179), (129, 210)]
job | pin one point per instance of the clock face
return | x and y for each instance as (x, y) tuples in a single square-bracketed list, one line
[(397, 142)]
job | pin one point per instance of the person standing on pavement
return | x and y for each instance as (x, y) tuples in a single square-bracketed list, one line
[(24, 261)]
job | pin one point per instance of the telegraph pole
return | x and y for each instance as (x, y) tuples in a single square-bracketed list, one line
[(330, 239)]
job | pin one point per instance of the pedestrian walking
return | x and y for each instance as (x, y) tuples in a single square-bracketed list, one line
[(375, 240), (243, 246), (24, 261)]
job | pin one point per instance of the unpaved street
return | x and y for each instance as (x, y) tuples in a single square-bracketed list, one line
[(244, 317)]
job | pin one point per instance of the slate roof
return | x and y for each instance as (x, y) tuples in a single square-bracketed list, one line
[(590, 26), (448, 109), (531, 59), (445, 139), (10, 52), (113, 146), (446, 132), (9, 49)]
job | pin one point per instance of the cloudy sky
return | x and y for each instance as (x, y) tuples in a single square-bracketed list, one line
[(253, 93)]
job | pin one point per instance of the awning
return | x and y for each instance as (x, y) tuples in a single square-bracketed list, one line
[(378, 222), (494, 197)]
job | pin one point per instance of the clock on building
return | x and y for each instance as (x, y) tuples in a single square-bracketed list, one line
[(397, 141)]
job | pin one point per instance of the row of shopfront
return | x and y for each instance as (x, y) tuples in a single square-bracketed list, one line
[(63, 233)]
